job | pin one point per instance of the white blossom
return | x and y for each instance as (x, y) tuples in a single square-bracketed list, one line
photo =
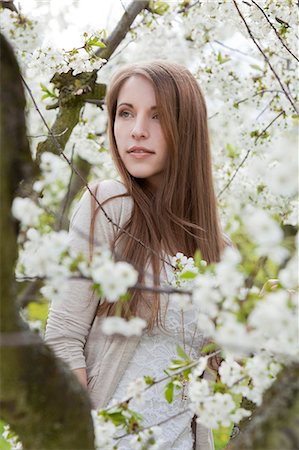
[(118, 325), (230, 371), (206, 295), (114, 278), (41, 255), (200, 367), (136, 389), (26, 211), (274, 323), (12, 439), (288, 276), (263, 229), (147, 439), (104, 432)]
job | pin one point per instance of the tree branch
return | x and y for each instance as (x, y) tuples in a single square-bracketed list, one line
[(275, 31), (247, 154), (266, 59), (120, 31)]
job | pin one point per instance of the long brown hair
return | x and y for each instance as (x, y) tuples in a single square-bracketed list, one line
[(181, 216)]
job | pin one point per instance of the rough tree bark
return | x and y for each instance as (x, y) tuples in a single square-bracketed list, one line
[(40, 398)]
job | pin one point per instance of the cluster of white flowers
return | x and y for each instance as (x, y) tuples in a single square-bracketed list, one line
[(266, 233), (213, 409), (149, 438), (55, 175), (230, 371), (114, 278), (11, 438), (221, 285), (262, 370), (87, 145), (41, 255), (26, 211), (104, 432), (136, 389), (24, 32), (50, 60), (118, 325), (272, 323), (183, 267)]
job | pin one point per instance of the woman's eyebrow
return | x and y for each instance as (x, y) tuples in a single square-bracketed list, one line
[(132, 106)]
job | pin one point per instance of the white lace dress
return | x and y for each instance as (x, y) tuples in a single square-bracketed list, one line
[(153, 354)]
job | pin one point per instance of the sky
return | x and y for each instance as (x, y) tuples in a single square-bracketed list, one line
[(68, 19)]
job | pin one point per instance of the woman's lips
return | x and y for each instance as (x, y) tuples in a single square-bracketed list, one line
[(140, 152)]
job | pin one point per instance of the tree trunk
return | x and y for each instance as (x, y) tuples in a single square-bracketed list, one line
[(40, 398)]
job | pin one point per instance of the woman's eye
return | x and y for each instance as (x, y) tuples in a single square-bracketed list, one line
[(156, 116), (125, 114)]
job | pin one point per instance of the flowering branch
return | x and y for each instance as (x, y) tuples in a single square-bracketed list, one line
[(256, 94), (120, 31), (159, 424), (266, 59), (275, 31), (247, 154)]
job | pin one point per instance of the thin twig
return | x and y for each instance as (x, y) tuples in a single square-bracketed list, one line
[(258, 93), (264, 109), (66, 198), (233, 49), (247, 154), (266, 59), (188, 7), (160, 380), (47, 135), (273, 27), (160, 423), (137, 286)]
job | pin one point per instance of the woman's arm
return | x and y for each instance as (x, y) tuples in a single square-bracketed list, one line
[(81, 375), (71, 314)]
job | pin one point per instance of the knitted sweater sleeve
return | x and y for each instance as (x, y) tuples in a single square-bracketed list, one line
[(71, 314)]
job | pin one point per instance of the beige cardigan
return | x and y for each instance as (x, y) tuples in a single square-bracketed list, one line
[(73, 330)]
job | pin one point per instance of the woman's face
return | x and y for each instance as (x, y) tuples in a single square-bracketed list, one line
[(138, 133)]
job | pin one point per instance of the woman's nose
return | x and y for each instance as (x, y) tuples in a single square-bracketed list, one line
[(140, 129)]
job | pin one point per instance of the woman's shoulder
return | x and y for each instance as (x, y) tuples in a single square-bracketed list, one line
[(106, 189), (110, 194), (113, 197)]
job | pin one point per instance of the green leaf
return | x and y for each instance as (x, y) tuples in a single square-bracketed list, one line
[(117, 418), (149, 380), (256, 67), (158, 7), (222, 59), (169, 392), (209, 348), (232, 151), (182, 353), (197, 258), (188, 275), (177, 366)]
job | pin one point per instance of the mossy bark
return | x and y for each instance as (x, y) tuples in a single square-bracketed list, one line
[(40, 398)]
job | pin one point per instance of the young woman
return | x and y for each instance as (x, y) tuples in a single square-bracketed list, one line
[(165, 204)]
